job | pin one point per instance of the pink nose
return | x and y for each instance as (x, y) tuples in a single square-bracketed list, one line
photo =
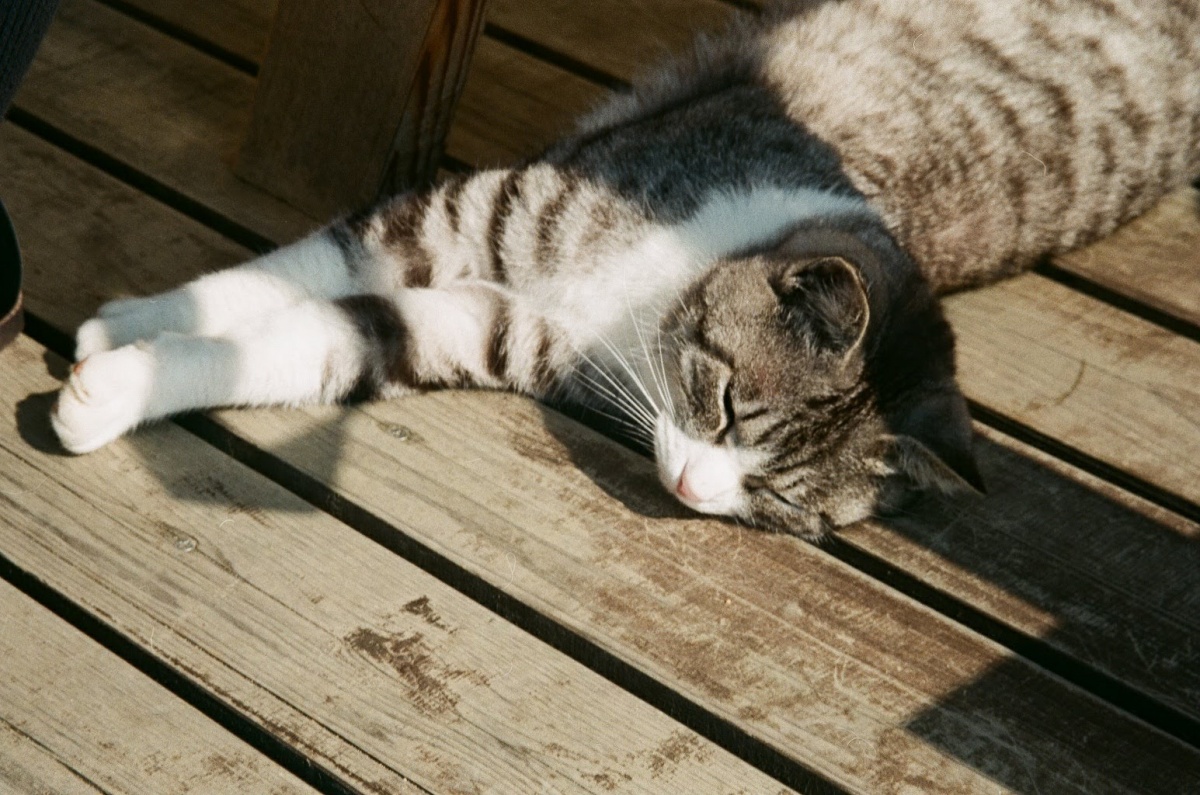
[(684, 490)]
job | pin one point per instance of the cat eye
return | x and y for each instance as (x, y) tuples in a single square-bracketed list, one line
[(728, 426)]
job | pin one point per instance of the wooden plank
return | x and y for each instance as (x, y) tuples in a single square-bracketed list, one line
[(1066, 557), (177, 114), (621, 38), (239, 27), (1114, 386), (514, 105), (477, 125), (1153, 259), (839, 674), (156, 104), (76, 718), (355, 99), (27, 768), (78, 207), (584, 534), (379, 673)]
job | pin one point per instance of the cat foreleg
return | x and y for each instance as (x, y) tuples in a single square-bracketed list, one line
[(358, 346), (311, 352), (314, 267)]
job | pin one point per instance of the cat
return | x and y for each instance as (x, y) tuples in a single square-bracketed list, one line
[(738, 260)]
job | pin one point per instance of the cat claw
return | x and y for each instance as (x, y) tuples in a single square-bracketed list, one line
[(105, 396)]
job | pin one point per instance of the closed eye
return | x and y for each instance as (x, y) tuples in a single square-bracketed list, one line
[(730, 419)]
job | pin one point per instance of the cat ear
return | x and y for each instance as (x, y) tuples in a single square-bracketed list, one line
[(932, 445), (825, 299)]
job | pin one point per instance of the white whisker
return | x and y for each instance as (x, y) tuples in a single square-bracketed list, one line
[(616, 392)]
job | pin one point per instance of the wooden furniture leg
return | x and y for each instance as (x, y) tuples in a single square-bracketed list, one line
[(355, 99)]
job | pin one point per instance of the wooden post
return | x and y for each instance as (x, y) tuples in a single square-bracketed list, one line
[(355, 99)]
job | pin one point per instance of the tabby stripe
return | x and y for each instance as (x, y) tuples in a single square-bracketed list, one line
[(1062, 108), (545, 244), (542, 372), (348, 243), (496, 357), (386, 336), (402, 231), (501, 211), (451, 195), (767, 437)]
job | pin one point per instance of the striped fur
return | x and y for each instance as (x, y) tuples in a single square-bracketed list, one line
[(736, 261)]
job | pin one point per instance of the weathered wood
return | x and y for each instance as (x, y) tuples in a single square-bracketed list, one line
[(239, 27), (76, 718), (62, 202), (514, 105), (27, 768), (1155, 259), (356, 98), (156, 104), (379, 673), (1114, 386), (621, 38), (1065, 557)]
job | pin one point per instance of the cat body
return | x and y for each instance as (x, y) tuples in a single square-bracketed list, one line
[(736, 260)]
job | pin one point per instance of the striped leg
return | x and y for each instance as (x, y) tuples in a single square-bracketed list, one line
[(313, 352)]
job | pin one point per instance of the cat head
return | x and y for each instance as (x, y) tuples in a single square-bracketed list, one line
[(812, 386)]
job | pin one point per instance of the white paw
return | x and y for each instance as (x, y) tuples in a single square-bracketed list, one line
[(105, 396), (119, 323), (94, 336)]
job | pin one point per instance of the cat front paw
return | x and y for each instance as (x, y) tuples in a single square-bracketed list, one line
[(105, 396), (123, 322)]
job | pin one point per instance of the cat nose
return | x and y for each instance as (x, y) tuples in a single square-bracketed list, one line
[(684, 489)]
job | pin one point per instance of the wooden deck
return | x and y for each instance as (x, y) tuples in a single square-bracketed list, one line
[(468, 593)]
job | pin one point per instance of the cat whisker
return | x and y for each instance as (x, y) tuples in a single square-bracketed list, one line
[(632, 373), (617, 393), (659, 382)]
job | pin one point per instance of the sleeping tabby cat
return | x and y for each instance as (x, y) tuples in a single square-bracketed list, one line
[(737, 259)]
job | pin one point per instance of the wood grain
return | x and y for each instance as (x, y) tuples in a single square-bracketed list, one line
[(1154, 259), (1066, 557), (239, 27), (157, 105), (380, 674), (352, 99), (76, 718), (820, 661), (621, 38), (1114, 386)]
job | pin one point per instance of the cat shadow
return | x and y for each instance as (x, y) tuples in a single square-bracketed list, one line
[(628, 476), (34, 428), (1107, 578)]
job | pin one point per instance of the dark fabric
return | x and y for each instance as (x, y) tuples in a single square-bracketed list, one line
[(23, 23)]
